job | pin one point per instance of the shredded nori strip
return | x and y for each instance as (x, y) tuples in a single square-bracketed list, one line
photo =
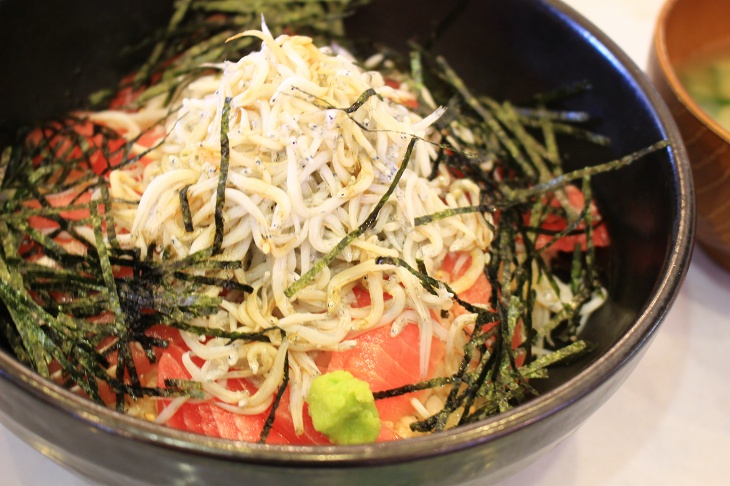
[(524, 194), (215, 281), (185, 208), (220, 196), (275, 405)]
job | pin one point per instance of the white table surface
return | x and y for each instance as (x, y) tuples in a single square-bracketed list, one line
[(668, 424)]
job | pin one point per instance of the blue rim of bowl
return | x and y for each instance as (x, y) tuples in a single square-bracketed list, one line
[(468, 436)]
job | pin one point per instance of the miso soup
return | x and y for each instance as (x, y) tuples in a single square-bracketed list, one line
[(707, 79)]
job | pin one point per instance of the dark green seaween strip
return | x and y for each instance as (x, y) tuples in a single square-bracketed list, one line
[(350, 237), (509, 274), (182, 7), (125, 363), (50, 246), (590, 254), (220, 196), (185, 209), (563, 92), (571, 130), (31, 319), (218, 282), (447, 213), (543, 114), (356, 105), (416, 65), (214, 265), (111, 232), (82, 307), (11, 333), (34, 340), (24, 212), (106, 270), (361, 100), (50, 276), (509, 376), (431, 284), (260, 336), (571, 350), (423, 385), (561, 180), (504, 112), (197, 258), (508, 143), (494, 357), (568, 230), (277, 400), (193, 389), (576, 269), (483, 371)]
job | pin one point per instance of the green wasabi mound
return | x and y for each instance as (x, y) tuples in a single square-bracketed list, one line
[(343, 408)]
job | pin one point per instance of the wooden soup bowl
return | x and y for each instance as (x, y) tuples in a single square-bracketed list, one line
[(684, 30)]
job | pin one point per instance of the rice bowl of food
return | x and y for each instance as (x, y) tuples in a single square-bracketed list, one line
[(295, 247)]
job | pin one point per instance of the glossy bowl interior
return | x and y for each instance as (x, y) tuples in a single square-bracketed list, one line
[(686, 29), (508, 49)]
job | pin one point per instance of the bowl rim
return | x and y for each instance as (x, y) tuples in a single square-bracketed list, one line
[(669, 69), (548, 404)]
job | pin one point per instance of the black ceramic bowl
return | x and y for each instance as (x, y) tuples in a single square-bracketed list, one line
[(509, 49)]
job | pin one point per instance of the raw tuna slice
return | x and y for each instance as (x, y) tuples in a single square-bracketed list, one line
[(206, 417), (556, 223), (387, 362)]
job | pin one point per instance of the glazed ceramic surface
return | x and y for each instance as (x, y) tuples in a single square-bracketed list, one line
[(508, 49)]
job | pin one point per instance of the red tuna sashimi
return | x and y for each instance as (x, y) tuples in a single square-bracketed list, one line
[(209, 419), (387, 362), (65, 139), (59, 200), (145, 369), (478, 293), (206, 417), (556, 223)]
